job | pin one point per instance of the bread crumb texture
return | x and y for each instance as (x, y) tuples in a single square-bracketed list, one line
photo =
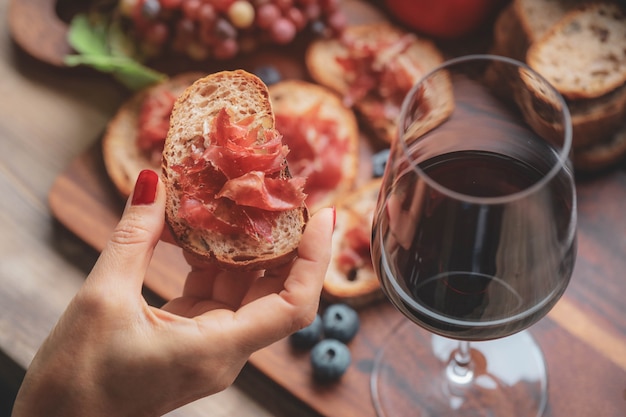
[(584, 55)]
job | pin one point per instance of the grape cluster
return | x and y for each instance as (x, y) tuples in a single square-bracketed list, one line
[(221, 29)]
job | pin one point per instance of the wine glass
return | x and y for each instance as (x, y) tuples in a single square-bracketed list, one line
[(474, 240)]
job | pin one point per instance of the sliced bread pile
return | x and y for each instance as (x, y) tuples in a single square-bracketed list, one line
[(580, 48)]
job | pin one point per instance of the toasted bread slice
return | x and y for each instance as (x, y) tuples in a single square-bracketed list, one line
[(602, 155), (593, 119), (537, 17), (351, 278), (584, 54), (323, 137), (123, 158), (373, 66), (233, 242)]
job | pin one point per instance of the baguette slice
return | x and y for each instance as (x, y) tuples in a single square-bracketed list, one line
[(379, 101), (537, 17), (323, 137), (123, 159), (602, 155), (351, 278), (593, 119), (584, 54), (243, 95)]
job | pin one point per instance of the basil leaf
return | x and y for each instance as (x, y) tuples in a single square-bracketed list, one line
[(88, 36), (130, 73), (102, 45)]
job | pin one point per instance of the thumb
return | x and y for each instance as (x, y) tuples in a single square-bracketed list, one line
[(127, 254)]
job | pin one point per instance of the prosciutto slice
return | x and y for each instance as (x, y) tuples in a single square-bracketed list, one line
[(233, 182), (316, 151)]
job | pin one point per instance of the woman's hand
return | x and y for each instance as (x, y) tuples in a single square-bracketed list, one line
[(111, 354)]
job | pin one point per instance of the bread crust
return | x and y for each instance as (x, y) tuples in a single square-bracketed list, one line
[(321, 61), (295, 98), (537, 17), (358, 286), (123, 160), (243, 94), (594, 120), (593, 42), (603, 154)]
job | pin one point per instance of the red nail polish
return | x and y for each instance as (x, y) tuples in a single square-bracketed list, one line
[(145, 188)]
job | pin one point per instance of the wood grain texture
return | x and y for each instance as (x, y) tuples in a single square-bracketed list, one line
[(583, 338)]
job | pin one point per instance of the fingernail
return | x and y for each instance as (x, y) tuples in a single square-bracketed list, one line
[(334, 217), (145, 188)]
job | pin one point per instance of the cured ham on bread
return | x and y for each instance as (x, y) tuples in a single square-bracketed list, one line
[(134, 137), (372, 67), (230, 197), (323, 139), (351, 278)]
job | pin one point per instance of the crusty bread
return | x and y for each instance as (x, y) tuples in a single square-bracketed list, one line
[(351, 278), (537, 17), (316, 109), (509, 38), (584, 54), (593, 119), (420, 56), (123, 159), (242, 95), (603, 154)]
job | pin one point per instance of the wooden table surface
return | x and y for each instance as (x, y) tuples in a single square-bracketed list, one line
[(49, 116)]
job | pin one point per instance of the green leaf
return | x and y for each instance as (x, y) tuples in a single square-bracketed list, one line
[(131, 73), (119, 43), (136, 76), (102, 45), (88, 36)]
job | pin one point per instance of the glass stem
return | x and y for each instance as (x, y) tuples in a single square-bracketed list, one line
[(460, 369)]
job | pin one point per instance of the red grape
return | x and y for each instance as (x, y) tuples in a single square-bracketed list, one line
[(266, 15), (283, 31)]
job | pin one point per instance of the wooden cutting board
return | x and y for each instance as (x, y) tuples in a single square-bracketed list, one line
[(586, 374)]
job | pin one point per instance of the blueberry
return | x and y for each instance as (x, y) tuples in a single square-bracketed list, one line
[(268, 74), (379, 160), (340, 322), (330, 359), (308, 336)]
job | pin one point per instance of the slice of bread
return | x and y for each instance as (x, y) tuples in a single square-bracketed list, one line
[(323, 139), (593, 119), (584, 54), (602, 155), (351, 278), (537, 17), (123, 159), (242, 96), (399, 59)]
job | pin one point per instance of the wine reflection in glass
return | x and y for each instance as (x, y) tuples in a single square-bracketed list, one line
[(474, 240)]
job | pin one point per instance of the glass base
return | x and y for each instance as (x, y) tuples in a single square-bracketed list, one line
[(415, 375)]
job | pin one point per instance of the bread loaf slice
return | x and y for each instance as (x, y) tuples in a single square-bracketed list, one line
[(602, 155), (323, 137), (123, 159), (593, 119), (351, 278), (584, 54), (245, 99), (537, 17), (388, 62)]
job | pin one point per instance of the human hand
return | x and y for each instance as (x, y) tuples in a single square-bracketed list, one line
[(113, 354)]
